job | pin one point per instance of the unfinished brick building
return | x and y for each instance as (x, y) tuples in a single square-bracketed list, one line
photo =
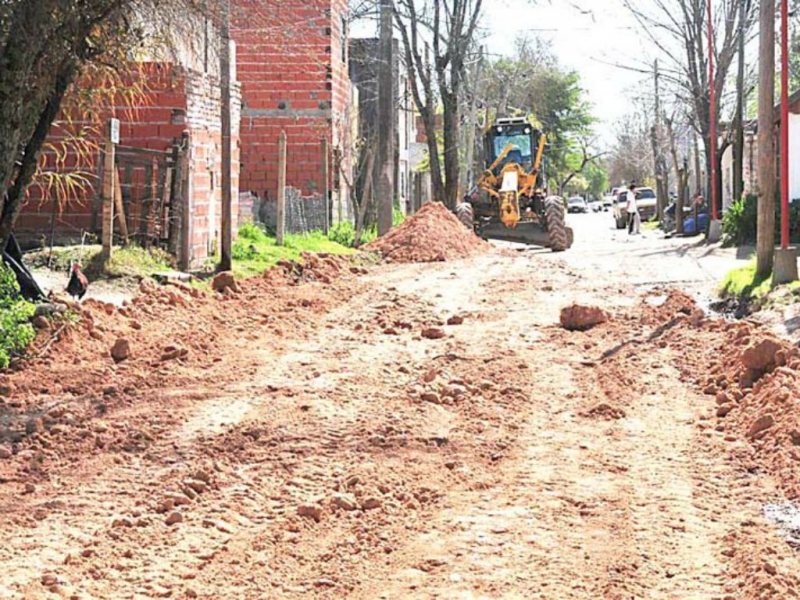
[(292, 65), (168, 164)]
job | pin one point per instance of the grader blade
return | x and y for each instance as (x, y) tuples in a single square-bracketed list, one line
[(524, 233)]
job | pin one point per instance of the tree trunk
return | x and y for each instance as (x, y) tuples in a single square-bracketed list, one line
[(765, 234), (15, 195), (451, 159)]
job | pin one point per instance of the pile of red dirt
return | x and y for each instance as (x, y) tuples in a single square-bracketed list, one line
[(170, 335), (433, 234), (754, 379)]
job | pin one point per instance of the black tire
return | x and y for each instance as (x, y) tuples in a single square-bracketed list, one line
[(466, 215), (556, 227)]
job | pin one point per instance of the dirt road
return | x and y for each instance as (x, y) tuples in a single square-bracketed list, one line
[(400, 431)]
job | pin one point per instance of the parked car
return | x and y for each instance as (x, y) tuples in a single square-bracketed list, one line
[(595, 206), (576, 204), (645, 204), (608, 202)]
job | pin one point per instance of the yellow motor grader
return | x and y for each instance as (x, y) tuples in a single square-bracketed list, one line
[(508, 202)]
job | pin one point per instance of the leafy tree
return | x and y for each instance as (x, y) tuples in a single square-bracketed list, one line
[(533, 84)]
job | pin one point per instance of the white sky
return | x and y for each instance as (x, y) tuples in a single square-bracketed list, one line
[(590, 36)]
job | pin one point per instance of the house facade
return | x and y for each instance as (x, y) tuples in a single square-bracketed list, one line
[(751, 156)]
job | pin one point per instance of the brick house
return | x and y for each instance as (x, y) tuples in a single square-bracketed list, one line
[(168, 162), (292, 60), (751, 156)]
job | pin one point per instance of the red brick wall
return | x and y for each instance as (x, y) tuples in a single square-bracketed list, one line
[(157, 118), (177, 101), (294, 79)]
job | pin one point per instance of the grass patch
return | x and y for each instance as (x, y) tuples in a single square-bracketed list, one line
[(128, 261), (650, 225), (254, 250), (744, 283)]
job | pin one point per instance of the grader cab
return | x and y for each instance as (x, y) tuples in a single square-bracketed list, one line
[(508, 202)]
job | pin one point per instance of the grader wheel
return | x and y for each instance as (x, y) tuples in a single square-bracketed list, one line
[(465, 214), (556, 226)]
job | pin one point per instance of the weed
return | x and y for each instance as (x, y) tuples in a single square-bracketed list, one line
[(16, 332)]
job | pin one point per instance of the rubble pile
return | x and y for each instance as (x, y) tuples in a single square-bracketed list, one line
[(433, 234)]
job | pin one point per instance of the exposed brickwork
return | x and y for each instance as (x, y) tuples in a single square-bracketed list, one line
[(292, 64), (178, 103)]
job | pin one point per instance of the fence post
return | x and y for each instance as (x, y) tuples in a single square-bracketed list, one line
[(109, 167), (281, 216), (325, 184)]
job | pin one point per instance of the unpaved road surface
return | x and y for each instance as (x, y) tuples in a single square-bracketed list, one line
[(396, 431)]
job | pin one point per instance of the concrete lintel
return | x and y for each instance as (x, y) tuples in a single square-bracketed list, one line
[(288, 113)]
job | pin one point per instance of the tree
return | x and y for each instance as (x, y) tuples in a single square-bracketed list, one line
[(532, 84), (765, 234), (678, 29), (43, 49), (450, 26)]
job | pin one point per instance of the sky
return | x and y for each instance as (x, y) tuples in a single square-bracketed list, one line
[(594, 37), (597, 38)]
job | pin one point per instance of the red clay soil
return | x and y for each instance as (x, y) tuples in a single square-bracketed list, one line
[(330, 432), (432, 234)]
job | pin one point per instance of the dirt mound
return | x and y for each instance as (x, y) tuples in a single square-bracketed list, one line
[(754, 380), (433, 234)]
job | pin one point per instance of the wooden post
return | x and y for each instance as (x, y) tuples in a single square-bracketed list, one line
[(325, 190), (281, 217), (118, 207), (225, 119), (108, 194)]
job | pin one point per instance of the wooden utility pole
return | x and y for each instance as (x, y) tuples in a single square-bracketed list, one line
[(386, 120), (281, 212), (225, 263), (765, 235), (655, 135)]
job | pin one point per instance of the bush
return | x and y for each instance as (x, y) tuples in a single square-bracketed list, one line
[(16, 332), (344, 233), (740, 221)]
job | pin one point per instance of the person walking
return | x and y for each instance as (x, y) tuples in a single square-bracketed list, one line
[(633, 212)]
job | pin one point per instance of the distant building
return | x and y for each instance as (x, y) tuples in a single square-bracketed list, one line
[(363, 74)]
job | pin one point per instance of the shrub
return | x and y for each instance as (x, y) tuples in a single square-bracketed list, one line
[(740, 221), (16, 332)]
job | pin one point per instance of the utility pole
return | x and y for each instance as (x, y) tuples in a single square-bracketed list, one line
[(786, 256), (655, 135), (715, 225), (765, 236), (469, 175), (738, 147), (280, 226), (225, 263), (386, 120)]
